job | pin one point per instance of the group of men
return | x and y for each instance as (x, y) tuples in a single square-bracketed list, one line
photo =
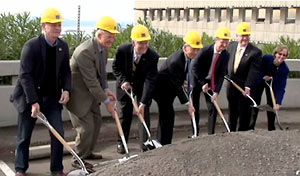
[(48, 80)]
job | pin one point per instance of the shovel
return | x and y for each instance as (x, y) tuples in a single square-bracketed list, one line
[(274, 103), (150, 144), (241, 90), (77, 172), (120, 130), (219, 112), (193, 114)]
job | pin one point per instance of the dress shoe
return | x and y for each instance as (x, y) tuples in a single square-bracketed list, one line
[(20, 174), (76, 164), (94, 156), (121, 149), (89, 166)]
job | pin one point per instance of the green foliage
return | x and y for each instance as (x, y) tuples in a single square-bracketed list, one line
[(206, 39), (15, 30), (73, 39), (163, 42)]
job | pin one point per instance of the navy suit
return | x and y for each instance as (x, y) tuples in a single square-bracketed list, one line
[(245, 76), (171, 76), (142, 81), (30, 89), (200, 70), (278, 86)]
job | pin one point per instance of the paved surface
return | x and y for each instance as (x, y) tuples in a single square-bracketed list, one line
[(106, 143)]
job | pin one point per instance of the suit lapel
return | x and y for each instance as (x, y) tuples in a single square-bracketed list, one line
[(97, 54), (59, 56), (232, 57), (245, 56)]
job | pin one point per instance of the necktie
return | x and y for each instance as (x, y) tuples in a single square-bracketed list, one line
[(135, 62), (212, 76), (102, 71), (188, 76), (237, 59)]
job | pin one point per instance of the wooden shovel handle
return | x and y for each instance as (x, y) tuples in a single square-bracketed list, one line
[(120, 130), (238, 87), (136, 108)]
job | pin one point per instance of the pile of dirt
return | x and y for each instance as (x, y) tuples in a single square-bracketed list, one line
[(242, 153)]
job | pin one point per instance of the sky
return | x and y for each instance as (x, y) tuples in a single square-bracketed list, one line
[(121, 10)]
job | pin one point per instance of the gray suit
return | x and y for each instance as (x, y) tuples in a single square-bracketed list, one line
[(86, 95)]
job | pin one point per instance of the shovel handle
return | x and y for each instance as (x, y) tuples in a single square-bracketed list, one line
[(116, 117)]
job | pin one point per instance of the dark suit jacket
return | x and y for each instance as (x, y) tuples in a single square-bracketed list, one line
[(144, 77), (202, 63), (174, 70), (249, 67), (279, 77), (32, 71)]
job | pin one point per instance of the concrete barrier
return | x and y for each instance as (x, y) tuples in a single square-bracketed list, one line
[(8, 115)]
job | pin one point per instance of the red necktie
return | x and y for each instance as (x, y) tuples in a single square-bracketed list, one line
[(212, 75)]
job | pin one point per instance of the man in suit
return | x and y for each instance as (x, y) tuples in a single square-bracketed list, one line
[(43, 86), (275, 70), (171, 76), (135, 67), (208, 70), (90, 88), (243, 69)]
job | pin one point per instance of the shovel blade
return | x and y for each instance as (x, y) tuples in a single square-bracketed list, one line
[(152, 144), (77, 172), (265, 107)]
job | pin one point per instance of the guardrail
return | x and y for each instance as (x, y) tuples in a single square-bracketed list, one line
[(8, 114)]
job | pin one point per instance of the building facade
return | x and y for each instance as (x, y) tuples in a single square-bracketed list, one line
[(268, 19)]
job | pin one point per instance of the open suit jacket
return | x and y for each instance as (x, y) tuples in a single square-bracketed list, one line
[(86, 77), (201, 66), (279, 77), (32, 72), (144, 77), (249, 67), (174, 70)]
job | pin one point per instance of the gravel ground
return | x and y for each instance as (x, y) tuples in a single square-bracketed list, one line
[(242, 153)]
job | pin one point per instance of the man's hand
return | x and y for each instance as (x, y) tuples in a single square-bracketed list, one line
[(35, 110), (205, 88), (246, 92), (214, 97), (110, 95), (267, 78), (125, 86), (141, 109), (110, 107), (64, 98), (191, 109), (276, 107)]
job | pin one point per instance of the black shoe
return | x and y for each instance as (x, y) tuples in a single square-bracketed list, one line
[(89, 166), (121, 149)]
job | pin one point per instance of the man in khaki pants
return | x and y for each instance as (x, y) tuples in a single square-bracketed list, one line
[(90, 88)]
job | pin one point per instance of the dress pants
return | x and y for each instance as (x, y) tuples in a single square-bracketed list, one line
[(52, 110), (87, 128), (257, 98), (126, 115), (212, 112), (165, 95), (239, 110)]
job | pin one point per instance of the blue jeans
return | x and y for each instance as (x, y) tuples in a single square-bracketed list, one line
[(52, 110)]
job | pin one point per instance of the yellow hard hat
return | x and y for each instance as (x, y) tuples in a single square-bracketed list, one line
[(140, 33), (243, 29), (223, 33), (193, 39), (108, 24), (51, 15)]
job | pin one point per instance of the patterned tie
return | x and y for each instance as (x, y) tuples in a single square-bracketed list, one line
[(135, 62), (212, 77), (237, 59), (188, 76), (102, 72)]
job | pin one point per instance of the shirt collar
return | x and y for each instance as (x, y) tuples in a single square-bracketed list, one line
[(135, 54), (99, 48), (50, 44)]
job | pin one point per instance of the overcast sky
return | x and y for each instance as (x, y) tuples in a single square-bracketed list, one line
[(91, 10)]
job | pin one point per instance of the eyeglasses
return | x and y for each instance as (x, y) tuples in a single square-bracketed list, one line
[(281, 54)]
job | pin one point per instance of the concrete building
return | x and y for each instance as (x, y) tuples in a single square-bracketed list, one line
[(269, 19)]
